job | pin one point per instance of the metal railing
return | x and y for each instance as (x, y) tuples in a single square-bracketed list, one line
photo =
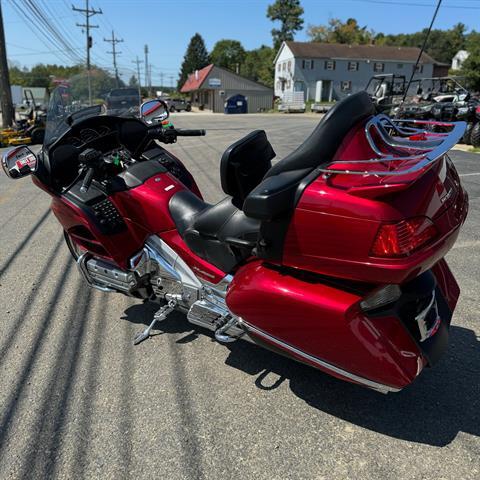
[(396, 136)]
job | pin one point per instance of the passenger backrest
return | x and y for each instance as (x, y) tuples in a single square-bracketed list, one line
[(244, 164)]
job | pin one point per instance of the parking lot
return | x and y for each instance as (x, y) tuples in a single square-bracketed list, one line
[(78, 400)]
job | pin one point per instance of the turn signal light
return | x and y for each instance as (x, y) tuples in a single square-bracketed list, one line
[(402, 238)]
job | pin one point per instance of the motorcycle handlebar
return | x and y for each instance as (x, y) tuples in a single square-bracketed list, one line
[(182, 132)]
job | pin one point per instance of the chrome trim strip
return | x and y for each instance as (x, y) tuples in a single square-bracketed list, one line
[(321, 363)]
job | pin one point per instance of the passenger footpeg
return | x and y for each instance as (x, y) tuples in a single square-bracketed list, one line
[(225, 325), (159, 316)]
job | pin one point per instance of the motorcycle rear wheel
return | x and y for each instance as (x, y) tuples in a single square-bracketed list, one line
[(475, 135), (466, 139)]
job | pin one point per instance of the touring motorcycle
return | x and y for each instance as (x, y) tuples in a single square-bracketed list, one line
[(332, 256)]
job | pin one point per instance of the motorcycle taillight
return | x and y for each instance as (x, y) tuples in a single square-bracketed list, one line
[(478, 109), (403, 238)]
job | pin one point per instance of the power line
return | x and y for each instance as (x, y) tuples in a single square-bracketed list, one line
[(44, 20), (114, 53), (416, 4), (45, 39)]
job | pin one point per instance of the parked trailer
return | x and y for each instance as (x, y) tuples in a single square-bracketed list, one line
[(292, 102)]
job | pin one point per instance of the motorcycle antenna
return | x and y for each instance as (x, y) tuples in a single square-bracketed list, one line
[(421, 52)]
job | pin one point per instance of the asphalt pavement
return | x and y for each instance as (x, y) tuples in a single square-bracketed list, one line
[(78, 400)]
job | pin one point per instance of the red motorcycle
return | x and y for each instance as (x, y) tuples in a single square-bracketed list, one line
[(333, 256)]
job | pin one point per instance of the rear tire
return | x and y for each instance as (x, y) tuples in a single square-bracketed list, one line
[(468, 132), (172, 109), (188, 108), (475, 135)]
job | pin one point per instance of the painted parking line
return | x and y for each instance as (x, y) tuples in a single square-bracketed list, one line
[(468, 174)]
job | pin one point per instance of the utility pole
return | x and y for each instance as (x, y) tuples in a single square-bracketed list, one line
[(150, 78), (161, 79), (138, 62), (114, 52), (147, 82), (171, 81), (88, 12), (8, 113)]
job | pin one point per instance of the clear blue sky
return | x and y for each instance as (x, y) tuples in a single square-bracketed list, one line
[(168, 25)]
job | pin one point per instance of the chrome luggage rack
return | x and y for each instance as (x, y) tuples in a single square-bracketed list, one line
[(395, 134)]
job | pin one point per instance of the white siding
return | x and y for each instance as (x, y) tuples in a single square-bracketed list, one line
[(302, 76), (284, 77)]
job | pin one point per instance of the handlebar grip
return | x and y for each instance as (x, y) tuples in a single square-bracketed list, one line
[(87, 181), (182, 132)]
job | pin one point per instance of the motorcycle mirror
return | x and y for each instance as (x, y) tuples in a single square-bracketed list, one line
[(19, 162), (154, 111)]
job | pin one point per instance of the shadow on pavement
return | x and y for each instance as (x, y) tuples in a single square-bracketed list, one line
[(441, 403)]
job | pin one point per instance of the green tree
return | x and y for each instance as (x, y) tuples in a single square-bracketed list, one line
[(41, 75), (442, 45), (196, 57), (258, 65), (133, 82), (289, 14), (471, 66), (101, 82), (228, 54), (336, 31)]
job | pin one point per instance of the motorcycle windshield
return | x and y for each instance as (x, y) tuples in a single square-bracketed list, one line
[(85, 96)]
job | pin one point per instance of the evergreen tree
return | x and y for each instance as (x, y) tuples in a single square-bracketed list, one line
[(196, 57), (289, 13)]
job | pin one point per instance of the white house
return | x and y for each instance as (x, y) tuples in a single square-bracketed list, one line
[(458, 59), (329, 71)]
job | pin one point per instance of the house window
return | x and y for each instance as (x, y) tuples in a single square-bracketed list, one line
[(399, 65), (298, 86), (289, 67), (346, 86), (329, 65), (284, 66), (352, 66), (307, 64), (419, 69), (378, 67), (279, 67)]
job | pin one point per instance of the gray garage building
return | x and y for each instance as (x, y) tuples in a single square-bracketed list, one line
[(212, 87)]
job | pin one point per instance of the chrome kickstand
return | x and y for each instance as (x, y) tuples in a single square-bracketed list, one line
[(159, 316)]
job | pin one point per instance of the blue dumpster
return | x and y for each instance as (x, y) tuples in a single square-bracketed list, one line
[(236, 104)]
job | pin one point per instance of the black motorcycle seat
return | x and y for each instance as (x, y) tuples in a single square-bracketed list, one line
[(207, 229)]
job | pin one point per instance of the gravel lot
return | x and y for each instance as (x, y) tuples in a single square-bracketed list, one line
[(78, 400)]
